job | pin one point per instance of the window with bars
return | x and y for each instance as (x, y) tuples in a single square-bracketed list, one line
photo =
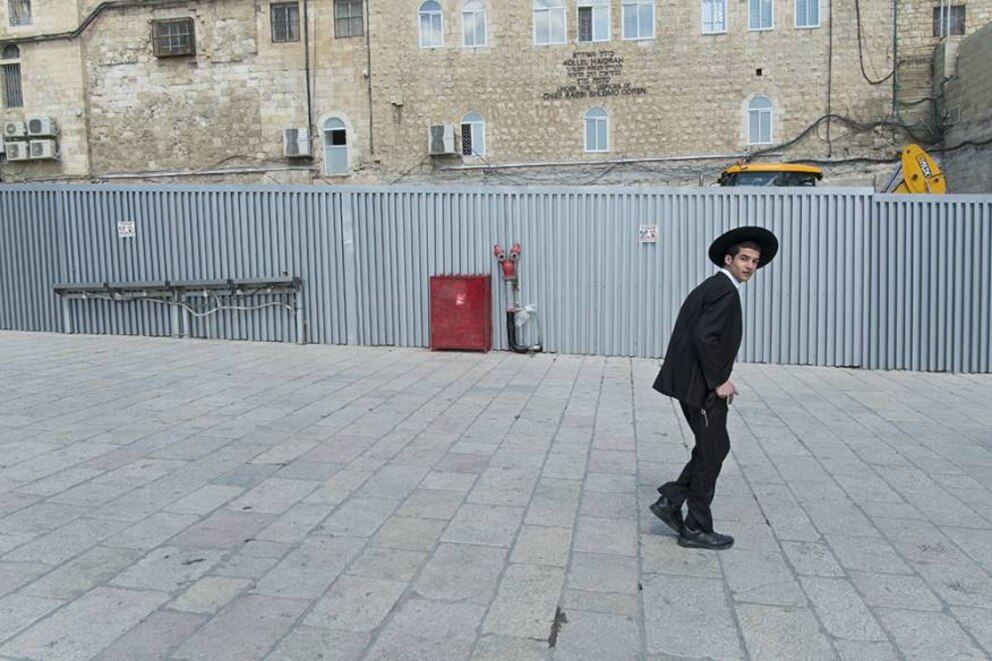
[(348, 19), (948, 20), (807, 13), (638, 19), (19, 12), (594, 20), (714, 15), (11, 74), (173, 37), (473, 135), (285, 21)]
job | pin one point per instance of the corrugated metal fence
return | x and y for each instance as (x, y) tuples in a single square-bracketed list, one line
[(876, 281)]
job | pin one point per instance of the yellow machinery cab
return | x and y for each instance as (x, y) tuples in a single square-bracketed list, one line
[(770, 174)]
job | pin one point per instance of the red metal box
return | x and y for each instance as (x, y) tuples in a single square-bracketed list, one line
[(461, 312)]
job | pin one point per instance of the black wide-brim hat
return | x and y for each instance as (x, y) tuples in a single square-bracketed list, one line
[(759, 235)]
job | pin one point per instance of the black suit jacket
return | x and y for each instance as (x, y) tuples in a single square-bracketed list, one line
[(704, 343)]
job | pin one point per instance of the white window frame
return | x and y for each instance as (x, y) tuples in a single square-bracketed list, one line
[(806, 26), (635, 5), (478, 130), (335, 123), (431, 14), (760, 112), (545, 8), (597, 116), (477, 10), (750, 15), (596, 8), (702, 13)]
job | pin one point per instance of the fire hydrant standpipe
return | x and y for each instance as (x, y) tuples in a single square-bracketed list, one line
[(508, 262)]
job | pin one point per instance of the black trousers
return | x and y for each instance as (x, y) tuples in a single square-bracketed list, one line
[(697, 483)]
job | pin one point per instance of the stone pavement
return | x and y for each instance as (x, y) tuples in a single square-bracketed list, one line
[(219, 500)]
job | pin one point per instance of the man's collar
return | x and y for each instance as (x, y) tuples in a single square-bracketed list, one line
[(732, 278)]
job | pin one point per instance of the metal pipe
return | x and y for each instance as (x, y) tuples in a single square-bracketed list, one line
[(651, 159)]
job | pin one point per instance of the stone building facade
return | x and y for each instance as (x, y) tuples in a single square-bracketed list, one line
[(518, 91)]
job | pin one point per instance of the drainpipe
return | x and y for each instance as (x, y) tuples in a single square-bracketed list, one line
[(306, 68), (895, 58)]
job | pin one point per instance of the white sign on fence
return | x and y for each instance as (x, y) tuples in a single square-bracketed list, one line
[(125, 229)]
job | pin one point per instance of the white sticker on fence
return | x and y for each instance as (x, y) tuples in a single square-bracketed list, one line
[(649, 234), (125, 229)]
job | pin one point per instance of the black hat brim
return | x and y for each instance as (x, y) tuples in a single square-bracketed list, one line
[(759, 235)]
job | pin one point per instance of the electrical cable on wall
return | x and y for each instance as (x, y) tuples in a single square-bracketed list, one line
[(861, 57)]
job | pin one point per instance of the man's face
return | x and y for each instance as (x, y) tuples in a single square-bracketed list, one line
[(743, 264)]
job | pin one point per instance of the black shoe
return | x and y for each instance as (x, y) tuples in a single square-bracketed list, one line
[(697, 539), (668, 512)]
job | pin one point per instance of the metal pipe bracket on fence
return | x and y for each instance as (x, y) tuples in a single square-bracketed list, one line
[(181, 296)]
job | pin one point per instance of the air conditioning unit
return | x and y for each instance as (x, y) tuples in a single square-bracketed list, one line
[(43, 149), (295, 142), (14, 129), (41, 126), (17, 151), (440, 139)]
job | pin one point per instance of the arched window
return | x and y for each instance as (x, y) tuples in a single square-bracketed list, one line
[(473, 135), (597, 130), (759, 121), (335, 147), (594, 20), (10, 77), (549, 22), (431, 25), (473, 24)]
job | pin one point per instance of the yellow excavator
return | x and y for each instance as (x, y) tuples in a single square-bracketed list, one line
[(917, 173)]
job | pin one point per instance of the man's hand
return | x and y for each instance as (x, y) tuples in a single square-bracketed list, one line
[(727, 391)]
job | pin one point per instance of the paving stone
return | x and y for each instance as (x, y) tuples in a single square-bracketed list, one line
[(309, 569), (599, 535), (977, 622), (603, 573), (962, 584), (19, 611), (773, 632), (296, 523), (355, 603), (394, 564), (611, 482), (926, 636), (565, 465), (152, 531), (895, 591), (70, 632), (863, 651), (602, 602), (205, 499), (812, 559), (393, 481), (310, 644), (209, 594), (554, 503), (491, 647), (14, 575), (596, 636), (484, 524), (525, 601), (246, 629), (841, 610), (154, 637), (542, 546), (63, 543), (609, 505), (511, 487), (422, 630), (873, 554), (83, 573), (661, 554), (358, 517), (223, 529), (681, 611), (168, 569), (461, 572), (431, 504), (274, 495), (409, 533), (449, 481)]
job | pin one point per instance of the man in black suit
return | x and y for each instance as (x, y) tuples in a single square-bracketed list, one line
[(696, 371)]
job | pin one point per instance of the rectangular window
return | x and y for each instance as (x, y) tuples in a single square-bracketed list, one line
[(19, 12), (285, 22), (173, 37), (638, 19), (948, 20), (12, 97), (759, 15), (549, 24), (348, 19), (807, 13), (594, 22), (714, 16)]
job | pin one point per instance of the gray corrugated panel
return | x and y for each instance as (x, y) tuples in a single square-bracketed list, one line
[(864, 280)]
